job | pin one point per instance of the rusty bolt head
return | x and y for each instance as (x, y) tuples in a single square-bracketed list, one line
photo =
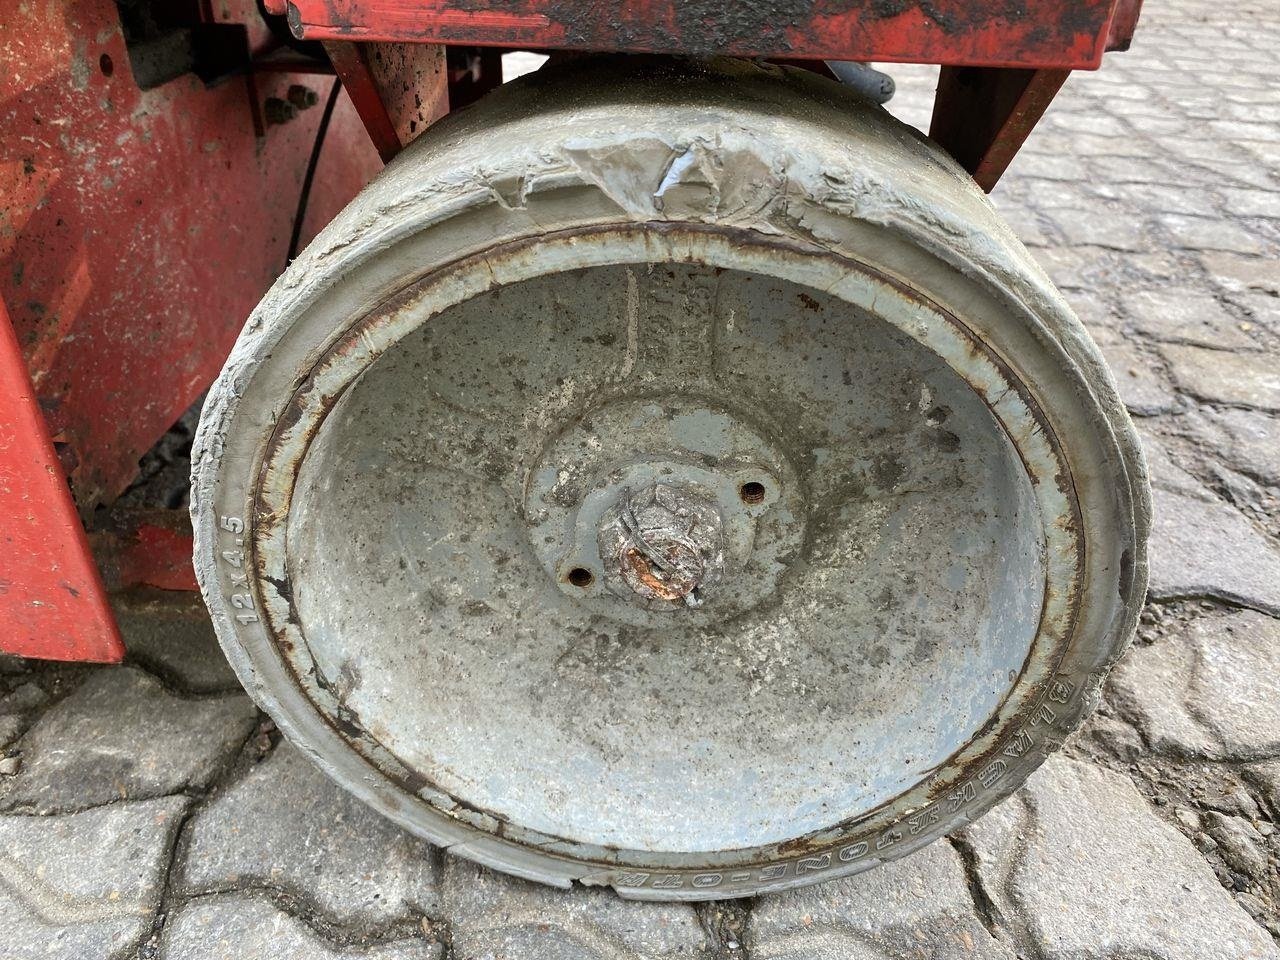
[(304, 98), (663, 542), (276, 111)]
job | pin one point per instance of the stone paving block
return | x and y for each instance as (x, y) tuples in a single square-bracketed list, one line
[(23, 698), (1247, 440), (1264, 777), (85, 885), (1163, 472), (1210, 688), (1234, 379), (1143, 387), (169, 632), (1162, 198), (1239, 843), (497, 917), (1253, 203), (1205, 548), (1077, 866), (1211, 233), (1099, 226), (16, 710), (1263, 310), (1244, 171), (122, 736), (1187, 315), (916, 907), (11, 727), (239, 928), (286, 826), (1049, 166), (1097, 314)]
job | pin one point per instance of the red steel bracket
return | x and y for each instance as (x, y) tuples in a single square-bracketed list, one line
[(52, 603), (982, 115), (398, 89)]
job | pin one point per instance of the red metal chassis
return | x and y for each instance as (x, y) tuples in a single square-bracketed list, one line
[(80, 401)]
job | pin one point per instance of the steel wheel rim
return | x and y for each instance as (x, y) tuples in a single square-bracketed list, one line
[(815, 269)]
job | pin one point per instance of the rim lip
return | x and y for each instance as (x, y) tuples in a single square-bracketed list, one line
[(369, 335)]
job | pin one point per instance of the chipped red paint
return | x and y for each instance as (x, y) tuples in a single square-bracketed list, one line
[(137, 231), (52, 603), (1068, 34), (139, 228)]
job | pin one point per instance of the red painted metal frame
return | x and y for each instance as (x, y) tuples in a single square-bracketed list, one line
[(982, 116), (399, 89), (351, 63), (137, 229), (1066, 34), (144, 548), (52, 603)]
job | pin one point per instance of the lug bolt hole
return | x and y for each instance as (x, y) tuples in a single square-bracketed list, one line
[(581, 577), (752, 492)]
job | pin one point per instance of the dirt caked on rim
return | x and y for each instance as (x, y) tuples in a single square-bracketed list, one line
[(684, 484)]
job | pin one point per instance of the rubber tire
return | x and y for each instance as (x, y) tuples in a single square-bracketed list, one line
[(792, 156)]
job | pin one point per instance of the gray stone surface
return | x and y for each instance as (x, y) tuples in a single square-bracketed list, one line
[(1234, 379), (242, 928), (1240, 843), (24, 698), (170, 635), (1209, 688), (1247, 440), (1077, 865), (122, 736), (1210, 233), (85, 885), (1204, 547), (287, 827), (1238, 273), (1265, 778), (495, 917), (918, 907), (1263, 310), (16, 710), (1143, 385), (1164, 472), (1180, 314)]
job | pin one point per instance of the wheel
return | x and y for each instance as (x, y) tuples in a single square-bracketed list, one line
[(671, 477)]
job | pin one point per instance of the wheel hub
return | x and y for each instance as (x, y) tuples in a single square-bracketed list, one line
[(645, 507), (663, 542)]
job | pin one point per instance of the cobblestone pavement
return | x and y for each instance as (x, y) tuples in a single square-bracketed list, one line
[(149, 811)]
